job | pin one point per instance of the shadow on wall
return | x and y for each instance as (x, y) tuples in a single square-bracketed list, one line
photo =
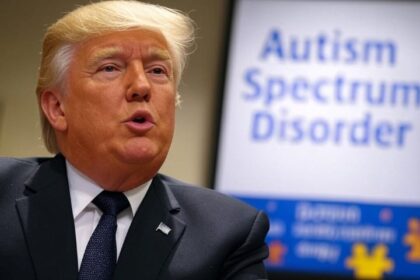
[(1, 116)]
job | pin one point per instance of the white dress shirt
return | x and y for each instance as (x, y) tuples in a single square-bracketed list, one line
[(86, 214)]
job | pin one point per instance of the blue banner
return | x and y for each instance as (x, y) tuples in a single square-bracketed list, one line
[(369, 241)]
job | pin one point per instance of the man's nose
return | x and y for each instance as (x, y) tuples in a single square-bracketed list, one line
[(138, 84)]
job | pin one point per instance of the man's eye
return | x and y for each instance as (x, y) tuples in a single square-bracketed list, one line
[(158, 71), (109, 68)]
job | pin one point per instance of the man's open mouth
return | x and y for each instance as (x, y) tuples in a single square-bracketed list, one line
[(139, 120)]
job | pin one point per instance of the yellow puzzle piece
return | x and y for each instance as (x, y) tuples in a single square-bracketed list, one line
[(369, 266)]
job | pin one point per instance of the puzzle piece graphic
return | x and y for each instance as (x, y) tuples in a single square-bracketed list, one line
[(369, 266), (412, 239), (277, 252)]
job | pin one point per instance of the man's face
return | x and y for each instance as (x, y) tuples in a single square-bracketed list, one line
[(120, 100)]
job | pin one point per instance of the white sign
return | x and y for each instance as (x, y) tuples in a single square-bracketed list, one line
[(322, 100)]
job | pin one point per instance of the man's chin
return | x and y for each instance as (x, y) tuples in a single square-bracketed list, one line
[(142, 155), (138, 157)]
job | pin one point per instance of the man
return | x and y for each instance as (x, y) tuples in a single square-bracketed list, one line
[(107, 91)]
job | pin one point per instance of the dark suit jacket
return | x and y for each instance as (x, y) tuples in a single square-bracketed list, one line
[(212, 237)]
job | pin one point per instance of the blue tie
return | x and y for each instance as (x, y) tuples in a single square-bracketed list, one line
[(100, 256)]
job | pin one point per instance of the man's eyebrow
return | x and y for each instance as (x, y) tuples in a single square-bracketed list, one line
[(109, 52), (103, 53), (159, 54)]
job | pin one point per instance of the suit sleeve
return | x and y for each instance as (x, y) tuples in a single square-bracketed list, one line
[(246, 262)]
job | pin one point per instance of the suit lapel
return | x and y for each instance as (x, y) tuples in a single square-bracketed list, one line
[(47, 221), (146, 249)]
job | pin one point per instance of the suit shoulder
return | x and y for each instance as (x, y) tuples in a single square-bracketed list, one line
[(222, 221), (208, 200), (18, 167), (10, 163)]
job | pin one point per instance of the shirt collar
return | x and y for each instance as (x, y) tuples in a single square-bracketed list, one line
[(83, 190)]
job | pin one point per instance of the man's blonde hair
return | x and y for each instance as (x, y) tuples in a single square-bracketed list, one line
[(99, 18)]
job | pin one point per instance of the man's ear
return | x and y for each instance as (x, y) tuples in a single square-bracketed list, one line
[(52, 106)]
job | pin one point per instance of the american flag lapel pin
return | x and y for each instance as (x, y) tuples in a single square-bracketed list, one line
[(163, 228)]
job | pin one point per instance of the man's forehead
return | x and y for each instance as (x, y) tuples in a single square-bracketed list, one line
[(145, 42)]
